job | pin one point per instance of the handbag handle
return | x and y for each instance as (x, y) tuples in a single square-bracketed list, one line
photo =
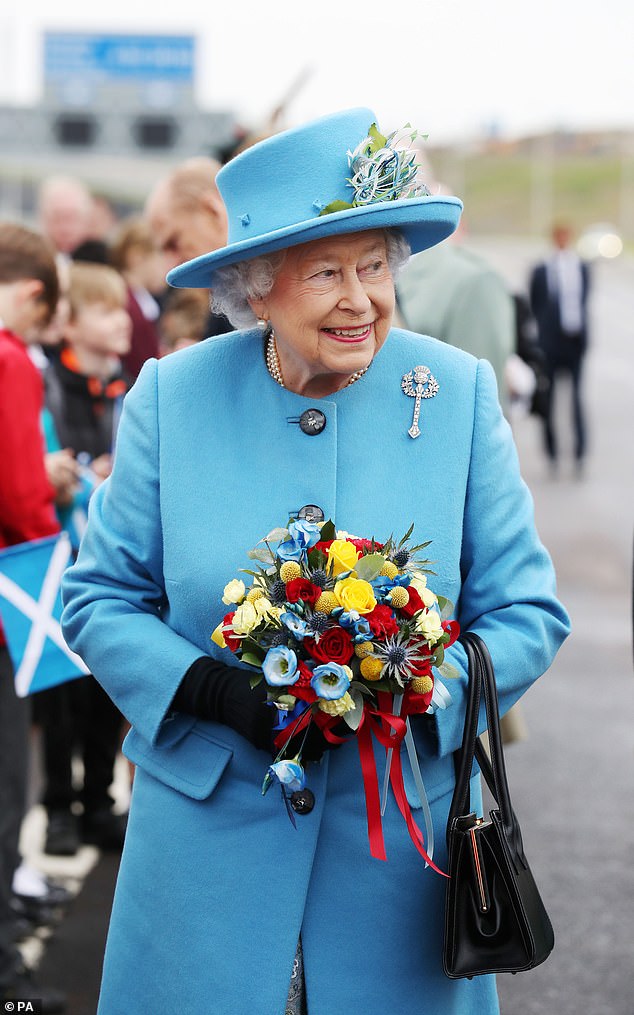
[(482, 681)]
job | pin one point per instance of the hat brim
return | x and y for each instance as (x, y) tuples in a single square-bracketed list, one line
[(424, 221)]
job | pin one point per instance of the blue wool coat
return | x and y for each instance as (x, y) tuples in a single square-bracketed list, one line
[(215, 884)]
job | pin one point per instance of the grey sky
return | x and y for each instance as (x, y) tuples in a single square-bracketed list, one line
[(450, 67)]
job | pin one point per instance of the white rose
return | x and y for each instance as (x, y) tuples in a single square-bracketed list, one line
[(234, 592), (264, 607), (245, 619), (428, 624)]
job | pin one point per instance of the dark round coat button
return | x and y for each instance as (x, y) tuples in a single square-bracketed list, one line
[(303, 801), (311, 513), (312, 422)]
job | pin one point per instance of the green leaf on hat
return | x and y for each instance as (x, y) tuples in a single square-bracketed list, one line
[(335, 206), (378, 140)]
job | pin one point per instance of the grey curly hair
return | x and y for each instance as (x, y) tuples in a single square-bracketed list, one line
[(236, 284)]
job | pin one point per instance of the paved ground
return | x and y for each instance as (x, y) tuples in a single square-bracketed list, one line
[(572, 779)]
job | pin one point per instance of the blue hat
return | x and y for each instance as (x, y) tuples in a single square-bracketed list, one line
[(305, 183)]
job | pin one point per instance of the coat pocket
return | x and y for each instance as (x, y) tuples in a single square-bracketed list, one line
[(192, 765)]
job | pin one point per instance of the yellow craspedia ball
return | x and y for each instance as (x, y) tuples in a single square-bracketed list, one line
[(389, 569), (399, 597), (254, 593), (363, 649), (327, 602), (421, 685), (371, 668), (290, 570)]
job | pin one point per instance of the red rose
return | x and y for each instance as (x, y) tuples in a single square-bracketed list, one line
[(231, 640), (334, 646), (301, 588), (414, 605), (366, 544), (382, 622), (323, 545)]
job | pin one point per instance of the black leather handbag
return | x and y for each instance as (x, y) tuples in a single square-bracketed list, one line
[(495, 920)]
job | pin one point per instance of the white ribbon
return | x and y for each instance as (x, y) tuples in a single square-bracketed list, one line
[(422, 793), (396, 710), (440, 698), (416, 772)]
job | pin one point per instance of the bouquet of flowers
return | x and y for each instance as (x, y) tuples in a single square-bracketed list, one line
[(343, 630)]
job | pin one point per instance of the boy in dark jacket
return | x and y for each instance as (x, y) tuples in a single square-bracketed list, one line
[(84, 392)]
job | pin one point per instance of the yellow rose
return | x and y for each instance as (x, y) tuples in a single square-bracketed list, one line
[(355, 594), (428, 624), (245, 619), (342, 556), (234, 592)]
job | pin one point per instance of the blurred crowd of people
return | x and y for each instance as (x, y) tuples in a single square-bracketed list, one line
[(83, 304)]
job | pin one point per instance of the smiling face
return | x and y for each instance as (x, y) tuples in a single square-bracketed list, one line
[(331, 309)]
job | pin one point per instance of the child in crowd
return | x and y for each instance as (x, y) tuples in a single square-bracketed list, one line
[(183, 319), (28, 296), (135, 255), (84, 392)]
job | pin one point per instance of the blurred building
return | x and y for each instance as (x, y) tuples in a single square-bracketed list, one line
[(117, 110)]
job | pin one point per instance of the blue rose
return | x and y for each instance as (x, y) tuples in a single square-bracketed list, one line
[(302, 535), (294, 624), (330, 681), (280, 666), (306, 533), (290, 550), (289, 773)]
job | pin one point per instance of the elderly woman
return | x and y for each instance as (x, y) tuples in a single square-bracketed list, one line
[(303, 414)]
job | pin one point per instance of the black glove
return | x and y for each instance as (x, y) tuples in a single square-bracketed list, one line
[(212, 690)]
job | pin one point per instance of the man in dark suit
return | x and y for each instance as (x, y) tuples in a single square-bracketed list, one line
[(559, 299)]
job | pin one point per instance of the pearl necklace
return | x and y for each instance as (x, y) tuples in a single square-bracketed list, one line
[(275, 370)]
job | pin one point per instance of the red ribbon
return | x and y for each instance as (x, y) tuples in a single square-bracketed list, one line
[(389, 730)]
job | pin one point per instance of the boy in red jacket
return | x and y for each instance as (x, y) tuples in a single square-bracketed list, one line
[(29, 291)]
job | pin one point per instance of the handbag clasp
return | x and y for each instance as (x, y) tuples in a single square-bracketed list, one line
[(477, 863)]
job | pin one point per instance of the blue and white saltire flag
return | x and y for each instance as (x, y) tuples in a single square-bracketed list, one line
[(31, 607)]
